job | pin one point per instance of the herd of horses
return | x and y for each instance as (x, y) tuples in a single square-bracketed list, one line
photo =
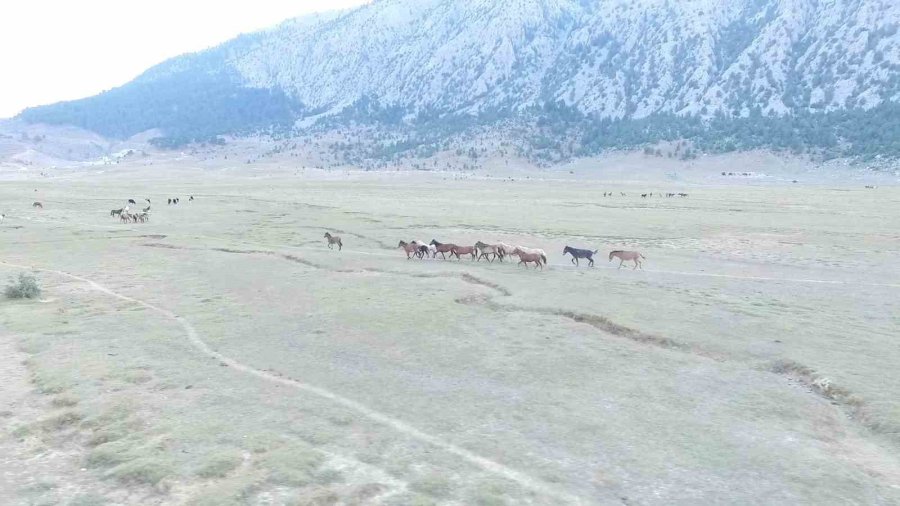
[(500, 251), (126, 215)]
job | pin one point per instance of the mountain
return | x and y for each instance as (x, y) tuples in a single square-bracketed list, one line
[(727, 74)]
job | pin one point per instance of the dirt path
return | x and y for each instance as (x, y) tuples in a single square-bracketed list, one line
[(484, 463)]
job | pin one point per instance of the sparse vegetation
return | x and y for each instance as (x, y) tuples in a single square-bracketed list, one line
[(219, 464), (25, 287)]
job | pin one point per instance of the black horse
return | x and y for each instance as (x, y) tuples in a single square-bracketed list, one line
[(131, 201), (580, 253)]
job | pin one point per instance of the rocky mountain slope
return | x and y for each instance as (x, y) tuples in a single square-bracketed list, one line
[(703, 68)]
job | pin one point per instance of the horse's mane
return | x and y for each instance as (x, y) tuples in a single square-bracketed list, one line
[(617, 251)]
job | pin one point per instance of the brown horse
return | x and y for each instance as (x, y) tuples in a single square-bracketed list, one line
[(37, 204), (332, 240), (536, 258), (411, 249), (632, 256), (443, 248), (463, 250)]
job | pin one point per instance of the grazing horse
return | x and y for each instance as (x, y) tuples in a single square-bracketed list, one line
[(580, 253), (332, 240), (536, 258), (442, 248), (633, 256), (463, 250), (489, 249), (411, 249), (116, 212), (37, 204)]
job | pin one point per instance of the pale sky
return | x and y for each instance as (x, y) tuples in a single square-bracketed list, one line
[(52, 50)]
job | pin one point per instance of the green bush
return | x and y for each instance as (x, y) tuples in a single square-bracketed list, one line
[(25, 288)]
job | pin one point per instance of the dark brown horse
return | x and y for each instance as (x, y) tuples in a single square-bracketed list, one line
[(37, 204), (443, 248)]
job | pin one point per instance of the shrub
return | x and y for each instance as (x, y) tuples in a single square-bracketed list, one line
[(25, 288)]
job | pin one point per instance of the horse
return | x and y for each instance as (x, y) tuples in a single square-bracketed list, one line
[(411, 249), (442, 248), (429, 249), (332, 240), (627, 255), (116, 212), (170, 202), (580, 253), (191, 199), (489, 249), (125, 217), (463, 250), (536, 258), (37, 204)]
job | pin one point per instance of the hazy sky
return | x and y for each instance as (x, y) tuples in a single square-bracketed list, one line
[(64, 49)]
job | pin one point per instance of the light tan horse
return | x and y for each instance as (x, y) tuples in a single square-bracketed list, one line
[(624, 256), (495, 250), (463, 250), (526, 258), (411, 248), (334, 239)]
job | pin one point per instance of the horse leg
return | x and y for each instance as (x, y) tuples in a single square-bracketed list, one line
[(635, 264), (591, 260), (621, 261), (573, 261), (340, 246)]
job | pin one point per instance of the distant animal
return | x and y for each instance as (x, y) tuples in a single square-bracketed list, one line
[(643, 195), (422, 251), (37, 204), (580, 253), (332, 240), (116, 212), (170, 202), (495, 250), (535, 258), (624, 256), (411, 249), (463, 250), (1, 217), (131, 201), (442, 248), (191, 199)]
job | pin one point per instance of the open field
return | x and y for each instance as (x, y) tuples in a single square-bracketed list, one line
[(221, 354)]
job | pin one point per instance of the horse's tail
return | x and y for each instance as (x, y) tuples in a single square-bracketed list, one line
[(596, 251), (544, 258), (642, 256)]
